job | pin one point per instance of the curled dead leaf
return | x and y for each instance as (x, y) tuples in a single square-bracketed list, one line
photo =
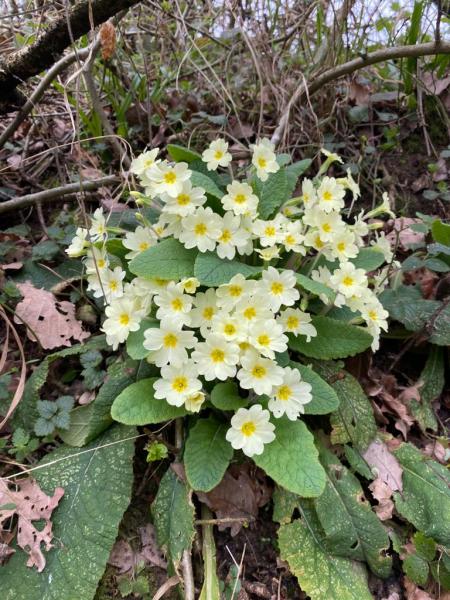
[(107, 40)]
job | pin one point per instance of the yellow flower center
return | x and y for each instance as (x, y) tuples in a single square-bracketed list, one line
[(208, 313), (113, 285), (318, 243), (262, 163), (235, 291), (276, 288), (240, 198), (170, 340), (263, 339), (306, 198), (101, 263), (160, 282), (248, 428), (373, 315), (124, 319), (200, 229), (229, 329), (226, 236), (250, 313), (177, 304), (341, 246), (148, 162), (326, 227), (258, 372), (170, 177), (183, 200), (348, 281), (292, 322), (270, 231), (243, 346), (327, 196), (289, 239), (180, 384), (218, 154), (284, 393), (217, 355), (143, 246)]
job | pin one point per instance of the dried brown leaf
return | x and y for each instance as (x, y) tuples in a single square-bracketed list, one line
[(383, 493), (53, 322), (401, 228), (388, 468), (122, 556), (107, 40), (151, 552), (413, 592), (30, 504)]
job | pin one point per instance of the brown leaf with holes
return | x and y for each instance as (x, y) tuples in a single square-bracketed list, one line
[(53, 322), (30, 504), (385, 387), (242, 491)]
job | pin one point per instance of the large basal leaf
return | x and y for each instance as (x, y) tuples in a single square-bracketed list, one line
[(213, 271), (324, 398), (225, 396), (205, 182), (433, 378), (292, 459), (278, 188), (182, 154), (440, 333), (97, 489), (425, 500), (335, 339), (137, 405), (87, 422), (406, 305), (173, 517), (169, 259), (368, 259), (135, 340), (315, 287), (321, 575), (207, 454), (351, 528), (353, 421)]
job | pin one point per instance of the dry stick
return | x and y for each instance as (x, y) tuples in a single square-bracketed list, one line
[(56, 193), (168, 585), (351, 66)]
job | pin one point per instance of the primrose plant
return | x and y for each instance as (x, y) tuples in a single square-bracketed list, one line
[(232, 289)]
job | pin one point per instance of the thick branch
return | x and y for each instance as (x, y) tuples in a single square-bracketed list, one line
[(56, 193), (318, 81), (49, 46)]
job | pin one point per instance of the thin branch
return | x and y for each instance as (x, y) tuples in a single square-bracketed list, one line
[(365, 60), (56, 193)]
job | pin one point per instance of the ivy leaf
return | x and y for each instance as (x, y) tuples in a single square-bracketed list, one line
[(320, 574), (225, 396), (351, 528), (324, 398), (207, 454), (425, 500), (182, 154), (97, 489), (169, 259), (334, 339), (137, 405), (213, 271), (135, 340), (173, 517), (292, 459), (353, 421)]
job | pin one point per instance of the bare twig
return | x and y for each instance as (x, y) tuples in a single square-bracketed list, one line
[(56, 193), (166, 586)]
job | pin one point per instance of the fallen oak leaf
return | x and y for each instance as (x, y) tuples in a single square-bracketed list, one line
[(53, 323)]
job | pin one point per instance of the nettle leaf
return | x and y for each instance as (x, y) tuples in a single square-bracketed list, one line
[(353, 421), (135, 340), (292, 459), (173, 516), (97, 489), (335, 339), (433, 378), (351, 528), (320, 574), (225, 396), (205, 182), (368, 259), (207, 454), (213, 271), (182, 154), (169, 259), (425, 500), (315, 287), (137, 405), (324, 398)]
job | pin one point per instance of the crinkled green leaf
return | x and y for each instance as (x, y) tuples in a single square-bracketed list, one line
[(225, 396), (441, 232), (135, 340), (173, 517), (416, 568), (440, 333), (182, 154), (324, 398), (351, 528), (137, 405), (97, 489), (425, 500), (353, 421), (205, 182), (207, 454), (212, 271), (278, 188), (433, 380), (334, 339), (315, 287), (284, 504), (425, 546), (321, 575), (292, 459), (169, 259), (406, 305), (368, 259)]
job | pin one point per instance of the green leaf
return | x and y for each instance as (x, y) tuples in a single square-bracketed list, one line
[(441, 233), (211, 586), (357, 462), (433, 378), (334, 339), (294, 171), (292, 459), (137, 405), (406, 305), (425, 546), (321, 575), (207, 454), (368, 259), (284, 504), (324, 398), (225, 396), (97, 489), (135, 340), (353, 421), (213, 271), (440, 334), (315, 287), (182, 154), (352, 530), (205, 182), (173, 517), (169, 259), (416, 569), (279, 188), (425, 500)]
